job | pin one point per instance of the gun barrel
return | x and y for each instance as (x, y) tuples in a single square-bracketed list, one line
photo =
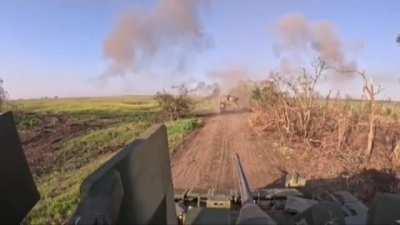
[(250, 213), (245, 193)]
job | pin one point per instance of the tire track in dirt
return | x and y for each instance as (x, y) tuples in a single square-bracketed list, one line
[(206, 160)]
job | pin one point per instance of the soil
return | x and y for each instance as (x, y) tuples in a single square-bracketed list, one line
[(206, 161), (41, 143)]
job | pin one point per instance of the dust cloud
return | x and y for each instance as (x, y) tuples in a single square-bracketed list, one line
[(236, 81), (141, 36), (229, 78), (297, 34), (209, 90)]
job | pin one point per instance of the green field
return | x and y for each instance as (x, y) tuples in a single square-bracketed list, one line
[(106, 126)]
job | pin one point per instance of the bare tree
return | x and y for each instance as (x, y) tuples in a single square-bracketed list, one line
[(371, 90)]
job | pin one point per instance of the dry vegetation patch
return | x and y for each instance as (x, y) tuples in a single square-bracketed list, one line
[(328, 136)]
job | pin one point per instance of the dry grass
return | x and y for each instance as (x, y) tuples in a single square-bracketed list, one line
[(361, 134)]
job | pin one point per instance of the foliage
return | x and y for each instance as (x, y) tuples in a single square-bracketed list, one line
[(174, 106), (60, 194), (179, 129), (292, 103), (27, 121), (266, 95), (97, 143)]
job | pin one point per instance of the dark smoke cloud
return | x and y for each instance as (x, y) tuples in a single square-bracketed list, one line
[(140, 37), (297, 34)]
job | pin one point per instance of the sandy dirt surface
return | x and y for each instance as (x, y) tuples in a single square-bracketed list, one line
[(206, 160)]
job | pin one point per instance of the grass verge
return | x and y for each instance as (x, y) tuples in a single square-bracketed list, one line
[(80, 156), (178, 130)]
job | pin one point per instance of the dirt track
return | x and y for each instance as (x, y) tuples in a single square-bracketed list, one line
[(206, 160)]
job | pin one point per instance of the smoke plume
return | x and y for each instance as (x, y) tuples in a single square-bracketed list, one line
[(199, 89), (140, 37), (235, 81), (230, 78), (297, 34)]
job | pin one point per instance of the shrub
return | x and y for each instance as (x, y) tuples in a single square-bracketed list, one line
[(174, 106), (292, 103), (292, 106)]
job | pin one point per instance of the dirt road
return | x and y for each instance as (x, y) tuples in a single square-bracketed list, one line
[(206, 160)]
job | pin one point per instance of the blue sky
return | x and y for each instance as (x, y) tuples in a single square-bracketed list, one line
[(55, 47)]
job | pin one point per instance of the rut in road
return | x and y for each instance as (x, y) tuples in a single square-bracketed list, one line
[(206, 160)]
